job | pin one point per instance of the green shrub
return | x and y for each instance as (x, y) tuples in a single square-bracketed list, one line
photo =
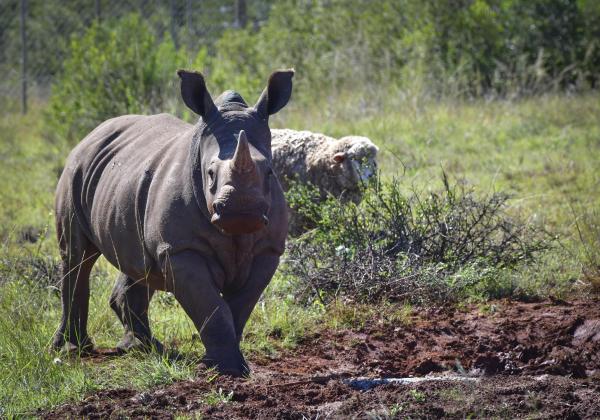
[(237, 64), (112, 70), (423, 248), (381, 47), (438, 48)]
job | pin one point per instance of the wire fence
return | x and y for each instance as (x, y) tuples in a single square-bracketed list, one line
[(35, 34)]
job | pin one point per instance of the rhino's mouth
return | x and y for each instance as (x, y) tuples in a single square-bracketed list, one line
[(239, 223)]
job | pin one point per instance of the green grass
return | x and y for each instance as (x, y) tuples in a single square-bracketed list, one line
[(541, 150)]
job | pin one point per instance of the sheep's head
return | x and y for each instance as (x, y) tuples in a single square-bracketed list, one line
[(353, 161)]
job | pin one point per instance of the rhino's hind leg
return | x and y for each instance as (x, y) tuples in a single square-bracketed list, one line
[(78, 256), (130, 301)]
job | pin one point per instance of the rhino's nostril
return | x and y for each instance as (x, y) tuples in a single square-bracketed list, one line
[(218, 207)]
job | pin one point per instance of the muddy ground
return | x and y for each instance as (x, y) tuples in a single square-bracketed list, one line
[(535, 360)]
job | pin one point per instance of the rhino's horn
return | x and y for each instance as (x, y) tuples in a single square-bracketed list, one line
[(242, 160)]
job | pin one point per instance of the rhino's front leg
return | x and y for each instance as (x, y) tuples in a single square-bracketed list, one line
[(242, 301), (193, 286)]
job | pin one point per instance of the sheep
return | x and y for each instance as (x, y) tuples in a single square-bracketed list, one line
[(337, 167)]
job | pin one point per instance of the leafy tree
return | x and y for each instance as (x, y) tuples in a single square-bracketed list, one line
[(470, 46), (112, 71)]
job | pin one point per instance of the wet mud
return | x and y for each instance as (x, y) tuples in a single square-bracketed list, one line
[(539, 360)]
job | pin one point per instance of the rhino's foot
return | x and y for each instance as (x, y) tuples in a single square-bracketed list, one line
[(82, 347), (130, 342), (236, 366)]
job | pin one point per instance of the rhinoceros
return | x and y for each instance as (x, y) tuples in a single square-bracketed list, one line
[(191, 209)]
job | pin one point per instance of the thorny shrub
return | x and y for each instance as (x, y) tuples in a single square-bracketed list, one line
[(433, 247)]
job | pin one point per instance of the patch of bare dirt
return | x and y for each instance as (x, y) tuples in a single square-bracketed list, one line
[(530, 359)]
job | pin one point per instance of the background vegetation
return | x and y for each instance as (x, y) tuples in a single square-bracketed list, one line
[(476, 105)]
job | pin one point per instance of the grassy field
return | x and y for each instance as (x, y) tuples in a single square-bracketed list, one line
[(543, 151)]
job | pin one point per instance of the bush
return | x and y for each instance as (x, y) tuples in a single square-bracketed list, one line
[(112, 71), (381, 47), (451, 48), (430, 248), (237, 65)]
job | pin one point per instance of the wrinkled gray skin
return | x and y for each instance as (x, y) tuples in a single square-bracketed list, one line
[(191, 209)]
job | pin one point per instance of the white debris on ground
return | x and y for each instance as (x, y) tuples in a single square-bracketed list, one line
[(364, 384)]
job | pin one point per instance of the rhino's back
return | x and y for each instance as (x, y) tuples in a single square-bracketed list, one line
[(107, 178), (131, 136)]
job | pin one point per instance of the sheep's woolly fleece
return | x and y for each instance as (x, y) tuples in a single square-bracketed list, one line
[(335, 166)]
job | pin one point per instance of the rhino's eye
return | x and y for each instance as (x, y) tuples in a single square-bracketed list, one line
[(211, 176)]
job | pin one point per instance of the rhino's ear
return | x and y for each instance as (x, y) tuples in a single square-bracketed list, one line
[(194, 93), (277, 93)]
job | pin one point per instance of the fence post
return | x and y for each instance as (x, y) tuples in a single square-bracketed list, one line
[(188, 15), (98, 11), (240, 14), (174, 23), (23, 57), (189, 23)]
